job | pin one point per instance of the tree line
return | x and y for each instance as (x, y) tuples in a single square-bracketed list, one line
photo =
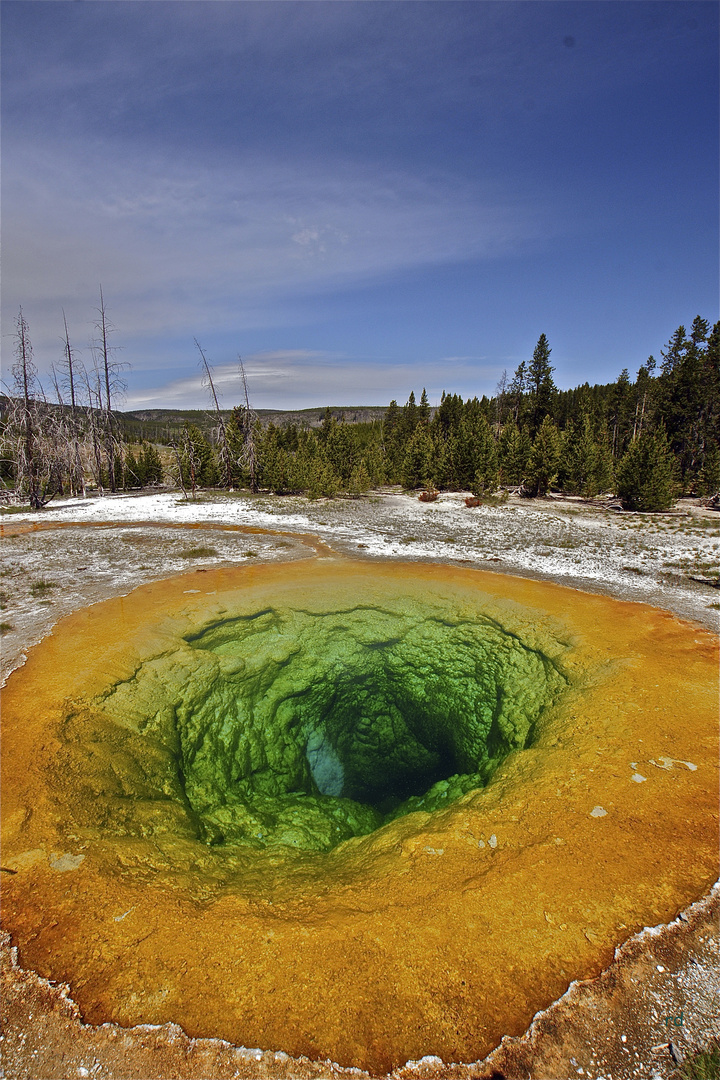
[(647, 440)]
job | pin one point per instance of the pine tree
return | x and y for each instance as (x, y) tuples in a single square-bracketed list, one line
[(486, 473), (423, 412), (545, 458), (409, 416), (199, 467), (419, 460), (540, 382), (359, 481), (323, 482), (700, 330), (586, 462), (515, 448), (131, 473), (644, 395), (462, 452), (579, 458), (605, 467), (683, 398), (647, 474), (393, 442), (150, 464), (448, 415), (621, 410), (710, 474), (518, 387), (341, 451)]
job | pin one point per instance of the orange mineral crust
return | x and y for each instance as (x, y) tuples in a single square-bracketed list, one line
[(199, 824)]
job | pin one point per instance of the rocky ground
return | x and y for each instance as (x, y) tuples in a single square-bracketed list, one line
[(75, 553)]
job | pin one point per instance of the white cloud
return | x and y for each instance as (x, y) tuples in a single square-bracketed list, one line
[(302, 378), (182, 249)]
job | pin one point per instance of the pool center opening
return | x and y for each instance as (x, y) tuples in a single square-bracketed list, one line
[(303, 728)]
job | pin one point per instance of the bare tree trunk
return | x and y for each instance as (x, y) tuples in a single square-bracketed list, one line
[(94, 439), (176, 452), (500, 394), (249, 432), (221, 432), (25, 375), (642, 414), (77, 482), (104, 347)]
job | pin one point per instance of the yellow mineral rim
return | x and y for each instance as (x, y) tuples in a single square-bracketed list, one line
[(139, 754)]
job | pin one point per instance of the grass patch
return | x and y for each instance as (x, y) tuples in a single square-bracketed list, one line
[(250, 554), (635, 570), (15, 509), (410, 539), (702, 1065), (6, 627), (42, 587), (715, 607), (198, 553), (496, 500)]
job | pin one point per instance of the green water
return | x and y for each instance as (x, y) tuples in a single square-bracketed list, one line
[(301, 729)]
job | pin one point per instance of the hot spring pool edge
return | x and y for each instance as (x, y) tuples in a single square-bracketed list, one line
[(413, 850)]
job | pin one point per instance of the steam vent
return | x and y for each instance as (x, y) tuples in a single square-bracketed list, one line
[(353, 811)]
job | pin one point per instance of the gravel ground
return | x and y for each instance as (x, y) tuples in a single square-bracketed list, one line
[(79, 552)]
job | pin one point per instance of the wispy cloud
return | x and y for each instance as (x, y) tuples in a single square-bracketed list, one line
[(180, 248), (385, 180), (301, 378)]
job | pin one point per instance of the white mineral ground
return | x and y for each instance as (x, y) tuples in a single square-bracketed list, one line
[(658, 1000)]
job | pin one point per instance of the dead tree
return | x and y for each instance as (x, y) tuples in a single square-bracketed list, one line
[(249, 423), (110, 375), (179, 466), (55, 427), (92, 414), (77, 475), (27, 450), (501, 391), (220, 430)]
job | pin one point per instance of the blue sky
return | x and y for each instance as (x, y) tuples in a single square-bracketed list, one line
[(360, 198)]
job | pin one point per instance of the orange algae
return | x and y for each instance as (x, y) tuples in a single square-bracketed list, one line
[(436, 934)]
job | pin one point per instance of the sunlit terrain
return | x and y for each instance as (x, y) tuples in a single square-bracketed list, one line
[(353, 810)]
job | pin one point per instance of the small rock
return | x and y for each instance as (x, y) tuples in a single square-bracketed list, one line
[(677, 1056), (65, 862)]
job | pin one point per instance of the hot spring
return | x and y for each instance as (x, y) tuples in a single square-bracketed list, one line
[(354, 811)]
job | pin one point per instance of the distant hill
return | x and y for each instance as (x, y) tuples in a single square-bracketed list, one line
[(165, 425), (173, 419)]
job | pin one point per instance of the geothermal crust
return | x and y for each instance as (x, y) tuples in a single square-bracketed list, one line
[(197, 835)]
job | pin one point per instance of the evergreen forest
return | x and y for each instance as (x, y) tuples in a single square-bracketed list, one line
[(647, 440)]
